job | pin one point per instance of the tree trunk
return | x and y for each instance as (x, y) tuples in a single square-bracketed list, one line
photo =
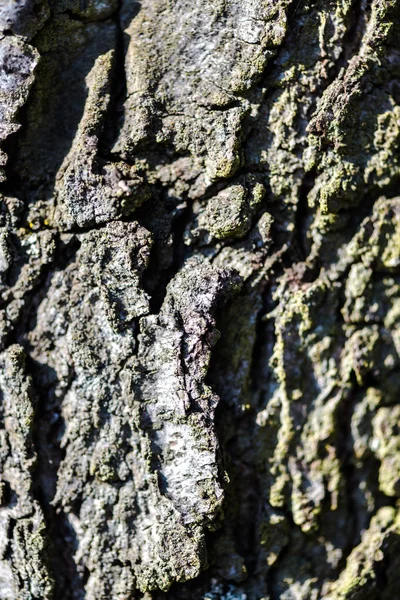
[(200, 307)]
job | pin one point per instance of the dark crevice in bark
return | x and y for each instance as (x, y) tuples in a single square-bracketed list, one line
[(9, 496), (244, 490), (76, 17), (60, 536), (272, 573), (242, 449), (18, 328), (380, 570), (64, 255), (32, 300), (48, 427), (156, 280), (355, 30), (300, 245), (10, 530), (259, 371), (351, 42), (115, 112), (345, 454)]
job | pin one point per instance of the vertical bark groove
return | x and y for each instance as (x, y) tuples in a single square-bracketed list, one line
[(199, 299)]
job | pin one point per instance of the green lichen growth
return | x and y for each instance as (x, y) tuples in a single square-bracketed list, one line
[(227, 215), (359, 578)]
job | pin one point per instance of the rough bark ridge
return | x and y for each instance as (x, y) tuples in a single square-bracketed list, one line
[(200, 308)]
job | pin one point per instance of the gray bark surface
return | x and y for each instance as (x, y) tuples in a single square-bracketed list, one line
[(199, 299)]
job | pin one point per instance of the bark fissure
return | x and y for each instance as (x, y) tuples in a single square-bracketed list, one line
[(199, 299)]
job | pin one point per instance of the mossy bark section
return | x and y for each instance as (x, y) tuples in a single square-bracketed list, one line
[(199, 300)]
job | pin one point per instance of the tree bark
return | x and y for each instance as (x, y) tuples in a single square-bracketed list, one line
[(200, 308)]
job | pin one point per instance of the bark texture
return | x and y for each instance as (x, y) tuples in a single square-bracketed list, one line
[(199, 299)]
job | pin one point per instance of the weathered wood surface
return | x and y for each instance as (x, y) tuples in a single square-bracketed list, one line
[(200, 309)]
